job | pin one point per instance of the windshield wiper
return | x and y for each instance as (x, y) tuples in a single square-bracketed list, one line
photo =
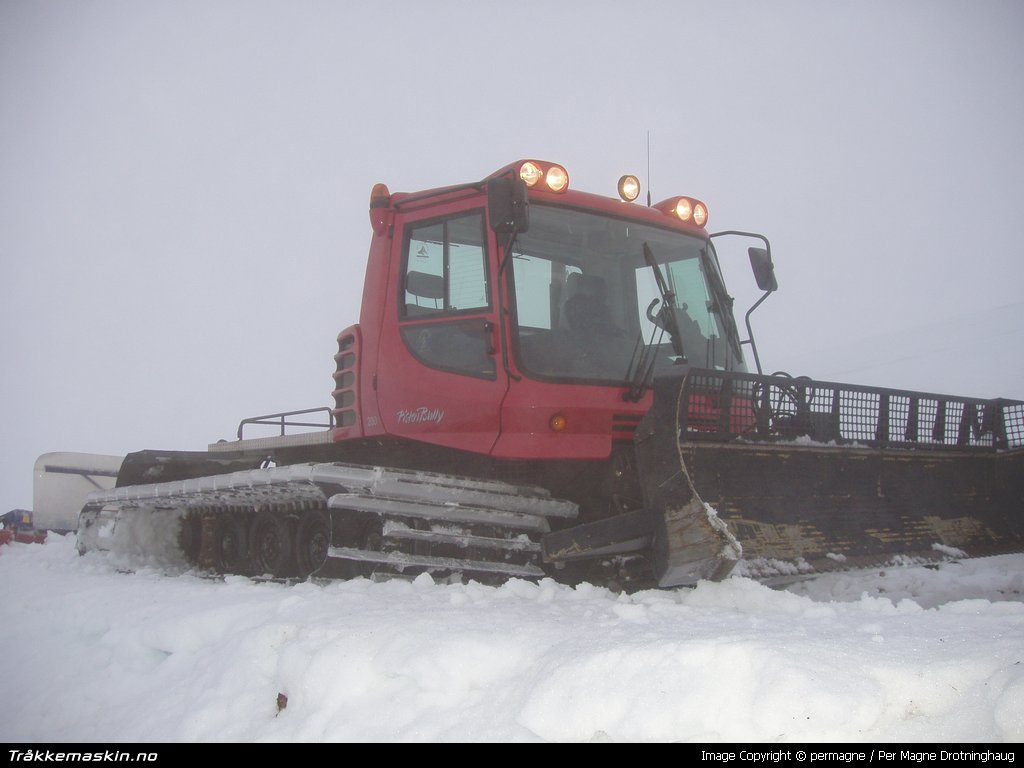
[(666, 316), (644, 355), (722, 302)]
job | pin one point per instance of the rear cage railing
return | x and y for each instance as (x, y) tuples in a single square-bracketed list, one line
[(720, 405), (285, 419)]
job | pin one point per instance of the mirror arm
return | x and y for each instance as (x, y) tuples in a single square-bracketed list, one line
[(767, 293), (750, 331)]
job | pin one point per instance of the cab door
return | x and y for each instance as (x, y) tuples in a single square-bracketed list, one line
[(440, 378)]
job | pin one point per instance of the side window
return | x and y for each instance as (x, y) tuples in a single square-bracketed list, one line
[(444, 280), (445, 267)]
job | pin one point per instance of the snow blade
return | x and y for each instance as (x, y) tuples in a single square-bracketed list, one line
[(689, 542), (814, 476)]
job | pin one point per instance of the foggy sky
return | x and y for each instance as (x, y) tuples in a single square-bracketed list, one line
[(184, 185)]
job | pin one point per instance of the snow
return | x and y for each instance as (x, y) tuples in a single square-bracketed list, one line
[(905, 654)]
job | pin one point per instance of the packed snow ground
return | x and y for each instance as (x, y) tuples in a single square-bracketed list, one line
[(908, 654)]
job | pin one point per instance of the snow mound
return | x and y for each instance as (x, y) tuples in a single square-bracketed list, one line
[(901, 655)]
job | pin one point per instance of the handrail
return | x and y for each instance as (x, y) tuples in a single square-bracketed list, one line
[(279, 419)]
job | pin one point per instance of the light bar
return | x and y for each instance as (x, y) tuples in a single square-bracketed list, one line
[(547, 176), (686, 209)]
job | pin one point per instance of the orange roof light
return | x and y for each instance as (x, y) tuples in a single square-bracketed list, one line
[(380, 208), (380, 196)]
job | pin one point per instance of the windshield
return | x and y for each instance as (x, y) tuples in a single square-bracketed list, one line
[(586, 302)]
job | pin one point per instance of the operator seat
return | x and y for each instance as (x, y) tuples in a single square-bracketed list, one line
[(586, 307)]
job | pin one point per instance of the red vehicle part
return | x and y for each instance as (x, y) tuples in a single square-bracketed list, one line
[(17, 526)]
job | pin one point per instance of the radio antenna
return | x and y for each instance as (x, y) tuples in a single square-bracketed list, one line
[(648, 168)]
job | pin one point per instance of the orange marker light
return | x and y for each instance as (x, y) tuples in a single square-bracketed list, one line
[(380, 214), (557, 422), (380, 196)]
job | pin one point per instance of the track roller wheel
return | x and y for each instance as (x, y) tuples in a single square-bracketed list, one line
[(270, 544), (231, 544), (312, 540)]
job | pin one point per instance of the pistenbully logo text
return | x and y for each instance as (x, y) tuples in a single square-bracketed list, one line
[(421, 415)]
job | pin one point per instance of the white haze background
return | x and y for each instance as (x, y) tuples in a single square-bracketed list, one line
[(183, 228), (184, 185)]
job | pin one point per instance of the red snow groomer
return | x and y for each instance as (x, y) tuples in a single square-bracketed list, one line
[(547, 382)]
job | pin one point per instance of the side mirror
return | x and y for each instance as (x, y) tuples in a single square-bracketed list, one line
[(507, 206), (764, 270)]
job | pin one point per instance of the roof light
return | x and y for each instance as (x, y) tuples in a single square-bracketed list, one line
[(380, 196), (629, 188), (700, 214), (542, 175), (530, 173), (557, 179), (380, 208), (685, 209)]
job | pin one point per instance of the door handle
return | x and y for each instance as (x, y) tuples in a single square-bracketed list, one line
[(489, 333)]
